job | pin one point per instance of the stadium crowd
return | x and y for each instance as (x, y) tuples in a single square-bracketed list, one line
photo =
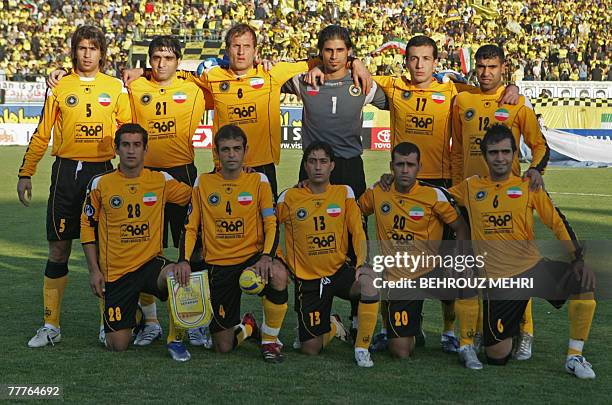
[(544, 39)]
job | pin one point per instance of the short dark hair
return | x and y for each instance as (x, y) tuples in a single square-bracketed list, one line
[(496, 134), (93, 34), (238, 30), (405, 149), (334, 32), (422, 40), (230, 131), (165, 42), (131, 129), (490, 51), (319, 145)]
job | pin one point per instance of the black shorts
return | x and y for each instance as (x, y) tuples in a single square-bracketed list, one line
[(404, 318), (69, 181), (346, 171), (174, 214), (503, 308), (121, 296), (270, 171), (225, 293), (314, 298)]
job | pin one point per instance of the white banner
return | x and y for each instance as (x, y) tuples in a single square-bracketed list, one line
[(581, 148), (16, 134), (23, 92), (566, 89)]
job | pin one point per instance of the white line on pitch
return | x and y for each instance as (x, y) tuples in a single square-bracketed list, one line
[(584, 194)]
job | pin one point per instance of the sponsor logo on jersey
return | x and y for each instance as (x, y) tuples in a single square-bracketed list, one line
[(224, 86), (179, 97), (88, 131), (501, 114), (257, 82), (311, 91), (438, 98), (149, 199), (135, 231), (497, 222), (416, 213), (385, 208), (214, 199), (145, 99), (72, 100), (242, 113), (481, 195), (245, 198), (419, 124), (469, 114), (354, 90), (89, 210), (333, 210), (514, 192), (115, 202), (406, 95), (104, 99), (301, 214)]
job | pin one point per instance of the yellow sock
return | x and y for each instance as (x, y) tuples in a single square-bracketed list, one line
[(101, 308), (580, 313), (448, 315), (242, 332), (274, 314), (53, 292), (175, 334), (527, 321), (467, 312), (368, 315), (479, 322), (329, 336)]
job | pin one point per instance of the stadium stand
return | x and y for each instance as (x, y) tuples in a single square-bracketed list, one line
[(544, 39)]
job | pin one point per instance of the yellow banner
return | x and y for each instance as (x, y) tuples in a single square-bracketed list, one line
[(575, 113)]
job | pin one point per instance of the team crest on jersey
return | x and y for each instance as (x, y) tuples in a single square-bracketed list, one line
[(72, 100), (354, 90), (115, 202), (501, 114), (469, 114), (301, 214), (145, 99), (385, 208), (89, 210), (104, 99), (214, 199), (224, 86), (406, 95), (481, 195)]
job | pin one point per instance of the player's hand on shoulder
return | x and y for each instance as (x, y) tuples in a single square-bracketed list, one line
[(510, 95), (361, 76), (302, 184), (96, 283), (182, 272), (536, 181), (24, 191), (129, 75), (385, 182), (248, 169), (314, 77), (55, 77), (266, 64)]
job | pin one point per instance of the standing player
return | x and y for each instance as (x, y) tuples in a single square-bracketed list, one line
[(410, 211), (473, 114), (234, 211), (506, 196), (333, 114), (171, 110), (318, 220), (82, 112), (121, 225), (249, 97)]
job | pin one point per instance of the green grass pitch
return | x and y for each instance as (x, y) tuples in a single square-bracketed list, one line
[(90, 374)]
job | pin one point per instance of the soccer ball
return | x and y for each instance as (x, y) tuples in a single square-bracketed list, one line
[(250, 282)]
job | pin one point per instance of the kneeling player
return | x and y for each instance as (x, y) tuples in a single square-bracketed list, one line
[(318, 219), (513, 255), (123, 214), (410, 211), (235, 213)]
